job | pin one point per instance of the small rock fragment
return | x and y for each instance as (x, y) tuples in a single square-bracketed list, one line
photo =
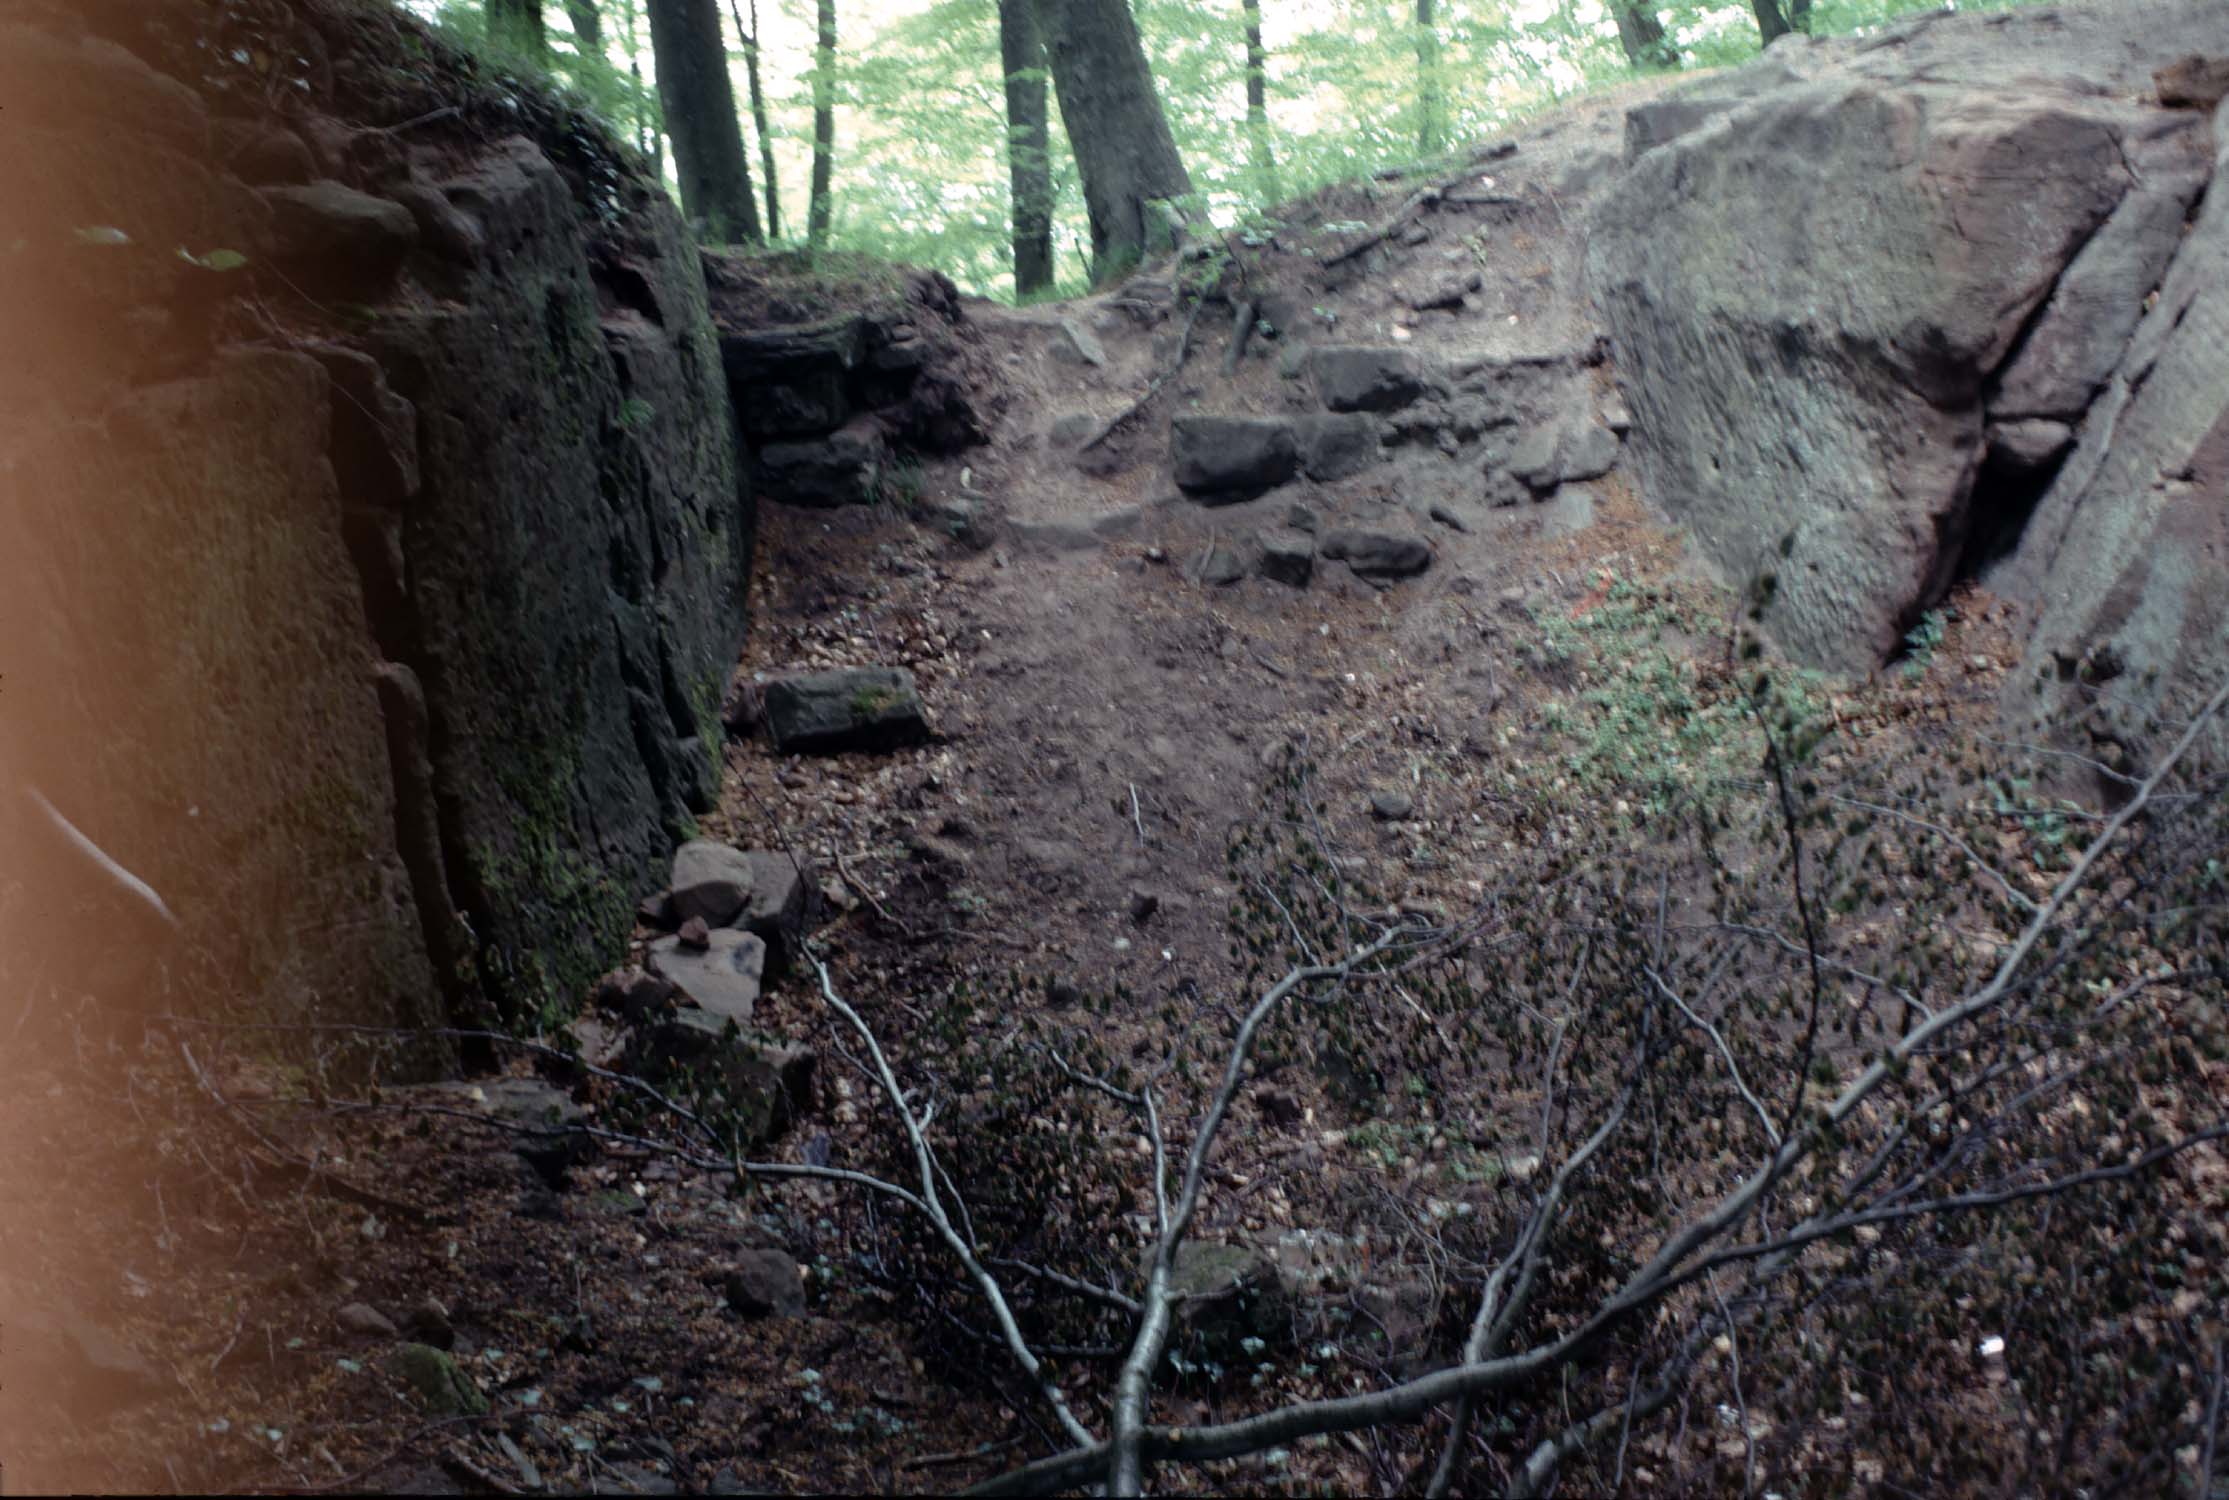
[(428, 1323), (1391, 805), (764, 1283), (444, 1388), (365, 1321)]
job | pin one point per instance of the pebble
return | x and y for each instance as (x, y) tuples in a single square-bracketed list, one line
[(1391, 806)]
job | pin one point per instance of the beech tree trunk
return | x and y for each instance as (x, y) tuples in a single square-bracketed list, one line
[(518, 23), (646, 139), (824, 126), (699, 106), (1029, 167), (1770, 22), (588, 28), (765, 130), (1641, 34), (1124, 151), (1257, 104), (1431, 131)]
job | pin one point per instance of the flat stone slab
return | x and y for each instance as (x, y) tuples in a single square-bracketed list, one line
[(1376, 554), (723, 979), (851, 708)]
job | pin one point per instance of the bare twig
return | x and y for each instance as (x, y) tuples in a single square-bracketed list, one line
[(868, 896), (1684, 1256)]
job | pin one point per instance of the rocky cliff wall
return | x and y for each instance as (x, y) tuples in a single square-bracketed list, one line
[(1948, 301), (377, 535)]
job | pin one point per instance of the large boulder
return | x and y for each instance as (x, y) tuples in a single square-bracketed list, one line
[(843, 468), (794, 381), (756, 890), (1811, 296), (851, 708), (1337, 445), (1224, 458), (762, 1083), (1355, 377)]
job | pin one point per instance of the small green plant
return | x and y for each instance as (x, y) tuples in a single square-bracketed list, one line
[(1648, 727), (899, 484), (635, 413), (1921, 642)]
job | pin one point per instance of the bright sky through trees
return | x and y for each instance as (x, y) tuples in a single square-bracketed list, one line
[(920, 166)]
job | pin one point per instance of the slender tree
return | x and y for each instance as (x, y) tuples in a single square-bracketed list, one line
[(1431, 131), (518, 24), (759, 120), (1262, 158), (1021, 48), (1641, 34), (646, 139), (699, 106), (824, 125), (1799, 15), (1771, 23), (1125, 154)]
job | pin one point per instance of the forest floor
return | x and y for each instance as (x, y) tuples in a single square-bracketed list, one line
[(1106, 722)]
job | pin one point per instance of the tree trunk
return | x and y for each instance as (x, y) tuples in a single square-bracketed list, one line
[(824, 126), (1029, 166), (1641, 34), (588, 27), (1264, 159), (1799, 15), (518, 24), (765, 130), (643, 139), (699, 106), (1124, 151), (1431, 131), (1770, 22)]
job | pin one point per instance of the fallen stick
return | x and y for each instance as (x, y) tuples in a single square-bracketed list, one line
[(1240, 331), (1183, 350)]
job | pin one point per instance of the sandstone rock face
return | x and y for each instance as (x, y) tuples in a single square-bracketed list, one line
[(1946, 302), (429, 616), (1816, 298), (2126, 562), (577, 557)]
